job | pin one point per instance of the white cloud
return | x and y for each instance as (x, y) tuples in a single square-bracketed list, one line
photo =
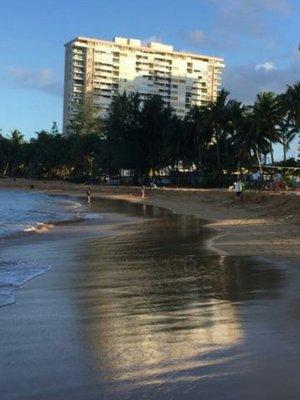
[(267, 66), (196, 36), (150, 39), (41, 79), (238, 21), (245, 81)]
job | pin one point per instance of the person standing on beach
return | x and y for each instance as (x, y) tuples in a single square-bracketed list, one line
[(256, 179), (89, 195), (143, 192), (238, 188)]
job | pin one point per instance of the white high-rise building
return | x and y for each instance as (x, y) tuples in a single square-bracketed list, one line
[(100, 69)]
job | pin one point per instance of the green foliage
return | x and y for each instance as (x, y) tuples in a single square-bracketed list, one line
[(85, 120), (290, 101), (122, 133), (146, 136)]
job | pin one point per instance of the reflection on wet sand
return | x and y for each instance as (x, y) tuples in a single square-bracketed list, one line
[(165, 308), (149, 314), (148, 346)]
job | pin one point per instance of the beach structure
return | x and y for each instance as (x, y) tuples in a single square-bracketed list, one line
[(101, 69)]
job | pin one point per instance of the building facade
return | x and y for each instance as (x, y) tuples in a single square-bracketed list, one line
[(101, 69)]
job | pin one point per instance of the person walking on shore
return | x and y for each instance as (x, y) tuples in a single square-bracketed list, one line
[(89, 195)]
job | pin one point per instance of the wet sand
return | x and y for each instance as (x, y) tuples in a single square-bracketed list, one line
[(137, 306), (264, 223)]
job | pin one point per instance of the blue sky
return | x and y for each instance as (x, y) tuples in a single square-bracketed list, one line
[(258, 39)]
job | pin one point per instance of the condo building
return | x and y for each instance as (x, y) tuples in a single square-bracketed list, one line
[(101, 69)]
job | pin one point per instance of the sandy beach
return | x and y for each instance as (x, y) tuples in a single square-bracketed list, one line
[(143, 303), (264, 223)]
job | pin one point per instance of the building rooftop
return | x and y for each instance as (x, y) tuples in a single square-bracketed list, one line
[(149, 47)]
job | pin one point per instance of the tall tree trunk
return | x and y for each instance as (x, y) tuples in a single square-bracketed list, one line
[(265, 159), (218, 154), (284, 151), (272, 153), (239, 166), (199, 158), (272, 157), (5, 169), (239, 160), (258, 159)]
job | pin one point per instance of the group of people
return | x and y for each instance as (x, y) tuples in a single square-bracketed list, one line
[(148, 183), (153, 185), (256, 181), (276, 182)]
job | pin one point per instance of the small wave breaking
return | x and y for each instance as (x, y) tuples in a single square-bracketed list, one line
[(15, 274), (35, 212), (39, 228), (93, 216)]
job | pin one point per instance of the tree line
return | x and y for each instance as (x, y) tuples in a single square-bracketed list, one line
[(147, 137)]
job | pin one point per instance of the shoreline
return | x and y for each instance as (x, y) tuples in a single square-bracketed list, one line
[(263, 224), (126, 301), (102, 226)]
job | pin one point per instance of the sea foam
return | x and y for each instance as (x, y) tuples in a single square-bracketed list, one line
[(31, 211), (14, 274)]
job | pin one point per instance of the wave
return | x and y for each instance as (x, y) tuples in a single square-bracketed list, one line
[(39, 228), (15, 274), (93, 216), (35, 212)]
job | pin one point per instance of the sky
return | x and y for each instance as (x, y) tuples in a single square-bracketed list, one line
[(257, 38)]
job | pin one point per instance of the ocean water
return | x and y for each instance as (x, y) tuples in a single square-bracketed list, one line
[(14, 274), (22, 212), (25, 211)]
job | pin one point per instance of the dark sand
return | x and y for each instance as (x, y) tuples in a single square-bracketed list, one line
[(136, 306), (264, 223)]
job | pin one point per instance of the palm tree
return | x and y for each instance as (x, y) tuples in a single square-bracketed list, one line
[(123, 133), (268, 115), (16, 137), (16, 140), (287, 134), (198, 134), (54, 129), (175, 143), (236, 112), (218, 120), (154, 122), (248, 139), (291, 104), (5, 152)]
